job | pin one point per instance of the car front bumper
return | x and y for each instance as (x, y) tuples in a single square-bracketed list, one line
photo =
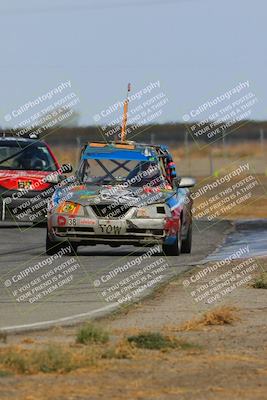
[(102, 231)]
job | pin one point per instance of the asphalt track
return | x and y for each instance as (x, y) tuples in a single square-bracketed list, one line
[(85, 295)]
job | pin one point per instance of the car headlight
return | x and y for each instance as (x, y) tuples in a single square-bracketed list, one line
[(152, 211), (142, 213), (69, 207)]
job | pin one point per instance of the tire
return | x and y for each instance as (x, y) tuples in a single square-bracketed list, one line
[(40, 224), (51, 247), (74, 248), (187, 242), (54, 247), (175, 248)]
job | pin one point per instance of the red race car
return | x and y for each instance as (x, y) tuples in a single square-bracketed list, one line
[(28, 174)]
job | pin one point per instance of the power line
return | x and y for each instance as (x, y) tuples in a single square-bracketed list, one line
[(90, 7)]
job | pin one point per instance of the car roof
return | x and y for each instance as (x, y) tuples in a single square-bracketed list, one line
[(119, 150), (22, 141), (128, 150)]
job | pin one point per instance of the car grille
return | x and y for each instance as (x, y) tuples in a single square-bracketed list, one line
[(78, 232), (104, 211), (158, 232)]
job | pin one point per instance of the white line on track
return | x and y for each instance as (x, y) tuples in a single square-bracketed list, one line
[(46, 324)]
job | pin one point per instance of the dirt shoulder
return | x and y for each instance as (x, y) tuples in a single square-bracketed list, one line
[(227, 361)]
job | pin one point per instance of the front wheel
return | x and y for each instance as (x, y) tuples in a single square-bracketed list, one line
[(175, 248), (53, 248)]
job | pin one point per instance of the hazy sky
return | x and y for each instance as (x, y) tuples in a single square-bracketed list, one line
[(197, 49)]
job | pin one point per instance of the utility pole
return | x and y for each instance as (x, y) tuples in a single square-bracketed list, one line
[(211, 161), (186, 146), (78, 140), (224, 147), (262, 141)]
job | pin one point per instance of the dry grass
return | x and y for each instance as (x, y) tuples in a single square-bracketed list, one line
[(62, 359), (219, 316), (235, 150), (28, 340), (3, 337), (260, 282), (90, 333), (53, 358), (66, 155), (255, 207), (122, 350), (152, 341)]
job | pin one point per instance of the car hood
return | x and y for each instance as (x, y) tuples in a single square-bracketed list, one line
[(9, 179), (90, 195)]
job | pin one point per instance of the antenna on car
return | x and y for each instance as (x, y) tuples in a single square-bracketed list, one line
[(125, 115)]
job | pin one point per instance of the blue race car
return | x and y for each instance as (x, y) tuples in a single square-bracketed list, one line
[(125, 194)]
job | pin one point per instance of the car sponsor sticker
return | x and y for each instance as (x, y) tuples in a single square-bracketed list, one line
[(24, 184), (87, 221), (61, 220)]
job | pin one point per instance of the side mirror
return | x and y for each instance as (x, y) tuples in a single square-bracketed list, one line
[(53, 178), (66, 168), (187, 182), (59, 176)]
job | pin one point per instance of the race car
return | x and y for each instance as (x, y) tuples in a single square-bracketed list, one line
[(127, 194), (27, 167)]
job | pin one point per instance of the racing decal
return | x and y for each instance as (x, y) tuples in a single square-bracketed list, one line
[(87, 196), (172, 226), (23, 181), (142, 213), (68, 207), (24, 184), (87, 193), (72, 221), (176, 200), (76, 209), (148, 189), (172, 202), (119, 196), (81, 188), (61, 220), (87, 221)]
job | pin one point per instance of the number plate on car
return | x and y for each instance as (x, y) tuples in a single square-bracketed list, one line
[(110, 227), (24, 184)]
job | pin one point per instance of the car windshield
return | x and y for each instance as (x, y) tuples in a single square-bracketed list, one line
[(33, 158), (112, 172)]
